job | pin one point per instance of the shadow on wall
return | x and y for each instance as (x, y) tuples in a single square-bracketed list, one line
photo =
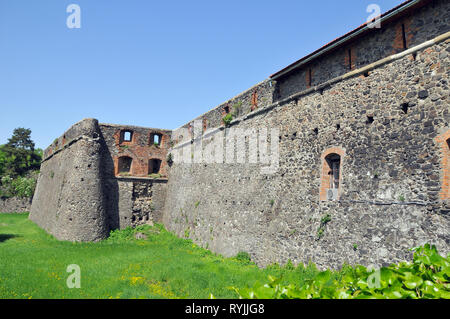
[(111, 188)]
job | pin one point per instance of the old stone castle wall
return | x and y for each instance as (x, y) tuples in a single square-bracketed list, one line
[(363, 137), (384, 122), (84, 190)]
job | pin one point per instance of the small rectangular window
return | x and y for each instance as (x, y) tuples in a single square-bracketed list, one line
[(155, 139), (126, 136)]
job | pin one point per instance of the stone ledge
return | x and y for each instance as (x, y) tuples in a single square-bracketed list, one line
[(138, 178)]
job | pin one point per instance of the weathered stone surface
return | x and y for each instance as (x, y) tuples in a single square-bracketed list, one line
[(69, 197), (15, 205)]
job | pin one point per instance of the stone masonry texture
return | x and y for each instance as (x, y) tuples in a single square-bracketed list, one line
[(379, 102)]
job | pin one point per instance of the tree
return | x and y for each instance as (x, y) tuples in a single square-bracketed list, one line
[(21, 139), (18, 156)]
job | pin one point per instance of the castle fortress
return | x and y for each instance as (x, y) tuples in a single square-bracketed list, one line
[(362, 145)]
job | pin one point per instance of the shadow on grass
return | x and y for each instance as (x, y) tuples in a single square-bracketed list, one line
[(5, 237)]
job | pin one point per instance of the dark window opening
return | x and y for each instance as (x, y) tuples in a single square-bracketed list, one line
[(154, 166), (369, 120), (448, 143), (226, 109), (334, 162), (404, 37), (309, 77), (350, 59), (155, 139), (126, 136), (338, 127), (316, 131), (125, 164), (366, 74)]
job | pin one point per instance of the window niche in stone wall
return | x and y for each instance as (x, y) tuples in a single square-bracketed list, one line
[(124, 165), (154, 166), (155, 139), (444, 144), (126, 136), (331, 179)]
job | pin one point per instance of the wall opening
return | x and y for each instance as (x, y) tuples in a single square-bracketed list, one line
[(405, 107), (350, 59), (334, 163), (331, 179), (155, 139), (154, 165), (124, 165), (443, 141), (309, 79), (369, 120), (404, 37), (126, 136)]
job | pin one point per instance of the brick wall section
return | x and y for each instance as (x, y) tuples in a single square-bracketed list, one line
[(444, 144), (141, 149), (424, 24), (325, 178)]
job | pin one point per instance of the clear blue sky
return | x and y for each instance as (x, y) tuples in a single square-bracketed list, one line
[(150, 63)]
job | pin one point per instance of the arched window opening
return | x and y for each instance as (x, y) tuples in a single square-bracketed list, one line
[(154, 166), (334, 163), (331, 177), (125, 165)]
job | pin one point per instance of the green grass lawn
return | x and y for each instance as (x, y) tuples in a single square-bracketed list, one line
[(33, 265)]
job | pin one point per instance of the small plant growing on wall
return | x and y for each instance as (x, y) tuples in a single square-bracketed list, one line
[(227, 119), (170, 159), (196, 204), (323, 221)]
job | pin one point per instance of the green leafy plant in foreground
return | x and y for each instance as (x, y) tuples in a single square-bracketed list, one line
[(427, 276)]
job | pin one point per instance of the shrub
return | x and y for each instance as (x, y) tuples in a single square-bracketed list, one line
[(427, 276), (18, 187), (244, 257)]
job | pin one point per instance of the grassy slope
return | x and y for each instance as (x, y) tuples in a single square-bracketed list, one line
[(33, 265)]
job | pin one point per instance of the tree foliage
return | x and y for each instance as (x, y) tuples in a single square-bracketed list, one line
[(18, 160), (19, 156)]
